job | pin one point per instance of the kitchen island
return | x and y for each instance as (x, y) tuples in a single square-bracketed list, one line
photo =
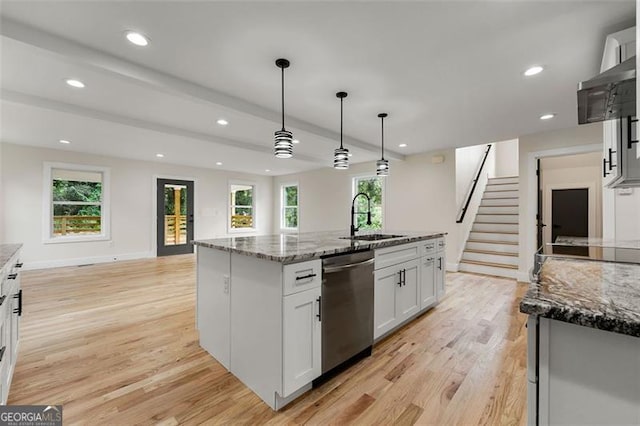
[(260, 299), (583, 342)]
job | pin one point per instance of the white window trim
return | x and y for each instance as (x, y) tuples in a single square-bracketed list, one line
[(254, 228), (282, 207), (384, 193), (47, 193)]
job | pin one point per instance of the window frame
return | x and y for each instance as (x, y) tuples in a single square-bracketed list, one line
[(354, 185), (47, 193), (254, 228), (283, 207)]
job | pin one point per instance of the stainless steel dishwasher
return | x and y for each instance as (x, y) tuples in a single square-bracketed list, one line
[(347, 308)]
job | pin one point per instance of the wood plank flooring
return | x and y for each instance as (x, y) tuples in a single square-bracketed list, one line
[(116, 344)]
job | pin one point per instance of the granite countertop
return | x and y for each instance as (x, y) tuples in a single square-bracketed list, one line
[(291, 248), (596, 242), (602, 295), (6, 252)]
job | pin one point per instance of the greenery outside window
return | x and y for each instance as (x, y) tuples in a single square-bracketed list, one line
[(242, 206), (76, 203), (289, 210), (373, 186)]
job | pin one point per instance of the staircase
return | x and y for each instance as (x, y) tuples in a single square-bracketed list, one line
[(492, 247)]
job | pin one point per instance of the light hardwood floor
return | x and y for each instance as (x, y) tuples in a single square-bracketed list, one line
[(116, 344)]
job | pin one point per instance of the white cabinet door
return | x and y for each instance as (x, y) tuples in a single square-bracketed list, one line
[(440, 275), (427, 281), (301, 339), (409, 292), (385, 313), (213, 319)]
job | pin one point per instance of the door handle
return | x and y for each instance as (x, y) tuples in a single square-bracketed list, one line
[(319, 314)]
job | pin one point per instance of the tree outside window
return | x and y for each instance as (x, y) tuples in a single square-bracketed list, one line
[(77, 202), (242, 206), (289, 199), (373, 187)]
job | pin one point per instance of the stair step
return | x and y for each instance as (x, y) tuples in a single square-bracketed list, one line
[(494, 236), (494, 253), (498, 202), (500, 194), (498, 259), (488, 270), (492, 264), (496, 218), (505, 179), (492, 247), (513, 243), (498, 210), (502, 187), (495, 227)]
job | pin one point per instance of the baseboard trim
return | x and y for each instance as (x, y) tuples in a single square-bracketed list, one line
[(522, 277), (452, 267), (60, 263)]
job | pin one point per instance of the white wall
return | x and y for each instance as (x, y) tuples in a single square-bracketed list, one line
[(580, 170), (419, 196), (552, 141), (506, 158), (2, 205), (132, 198)]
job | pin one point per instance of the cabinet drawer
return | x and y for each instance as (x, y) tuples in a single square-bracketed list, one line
[(428, 247), (302, 276), (396, 254), (441, 244)]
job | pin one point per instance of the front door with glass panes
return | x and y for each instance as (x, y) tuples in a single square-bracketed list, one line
[(175, 217)]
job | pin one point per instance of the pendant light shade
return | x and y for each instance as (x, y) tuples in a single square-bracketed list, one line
[(341, 155), (382, 165), (283, 138)]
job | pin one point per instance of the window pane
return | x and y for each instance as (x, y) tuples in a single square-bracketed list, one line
[(241, 201), (70, 190), (76, 219), (373, 188), (290, 217), (291, 195), (242, 195), (241, 217)]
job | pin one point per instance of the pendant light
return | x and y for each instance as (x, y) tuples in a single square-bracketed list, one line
[(283, 138), (341, 155), (382, 165)]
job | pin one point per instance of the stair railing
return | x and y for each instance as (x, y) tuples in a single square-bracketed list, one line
[(474, 183)]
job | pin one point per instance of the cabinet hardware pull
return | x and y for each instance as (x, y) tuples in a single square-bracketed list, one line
[(604, 168), (2, 352), (18, 310), (611, 165), (319, 314), (12, 276), (440, 263), (400, 278), (19, 265), (304, 277), (630, 141), (404, 277)]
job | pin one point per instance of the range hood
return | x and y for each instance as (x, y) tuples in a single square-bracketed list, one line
[(609, 95)]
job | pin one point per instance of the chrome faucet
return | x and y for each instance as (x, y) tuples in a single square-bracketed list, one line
[(354, 228)]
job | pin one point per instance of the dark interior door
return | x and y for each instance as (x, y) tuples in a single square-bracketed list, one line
[(174, 216), (570, 218), (539, 224)]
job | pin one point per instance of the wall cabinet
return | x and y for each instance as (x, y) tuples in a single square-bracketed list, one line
[(10, 313)]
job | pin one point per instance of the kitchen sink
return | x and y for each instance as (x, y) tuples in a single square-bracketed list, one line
[(372, 237)]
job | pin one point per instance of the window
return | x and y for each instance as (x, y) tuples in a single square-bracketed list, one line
[(242, 206), (76, 205), (373, 186), (289, 203)]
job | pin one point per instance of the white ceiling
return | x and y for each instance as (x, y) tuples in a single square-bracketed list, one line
[(448, 73)]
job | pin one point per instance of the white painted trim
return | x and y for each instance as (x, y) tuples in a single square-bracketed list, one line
[(523, 277), (281, 221), (154, 206), (46, 264), (47, 203), (243, 231), (528, 222), (452, 267)]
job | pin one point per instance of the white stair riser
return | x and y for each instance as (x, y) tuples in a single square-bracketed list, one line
[(497, 209), (501, 194), (499, 202), (503, 180), (497, 218), (488, 270), (502, 187), (490, 258), (493, 237), (502, 248), (495, 227)]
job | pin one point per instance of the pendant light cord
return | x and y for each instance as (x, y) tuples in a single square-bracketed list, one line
[(282, 98), (341, 99), (382, 131)]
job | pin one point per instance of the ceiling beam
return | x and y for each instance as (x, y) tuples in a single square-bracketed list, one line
[(50, 104), (105, 62)]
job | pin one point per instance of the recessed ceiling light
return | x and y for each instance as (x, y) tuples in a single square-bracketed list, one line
[(222, 122), (75, 83), (159, 155), (137, 38), (537, 69), (547, 116), (267, 170), (403, 145), (295, 141), (218, 163), (64, 141)]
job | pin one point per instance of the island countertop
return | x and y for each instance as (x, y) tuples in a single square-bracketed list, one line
[(602, 295), (6, 252), (291, 248)]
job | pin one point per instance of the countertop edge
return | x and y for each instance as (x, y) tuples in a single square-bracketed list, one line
[(7, 251)]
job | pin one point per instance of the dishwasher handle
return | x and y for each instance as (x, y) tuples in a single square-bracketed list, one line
[(330, 269)]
